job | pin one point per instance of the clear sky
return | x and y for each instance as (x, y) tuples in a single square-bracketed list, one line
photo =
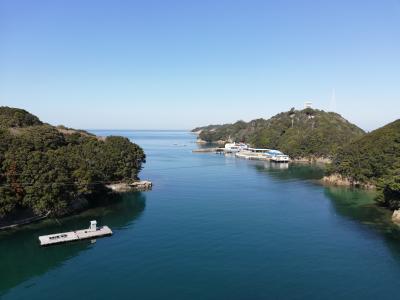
[(179, 64)]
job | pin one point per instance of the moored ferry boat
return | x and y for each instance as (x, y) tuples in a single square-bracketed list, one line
[(253, 153), (235, 147), (277, 156), (280, 158), (263, 154)]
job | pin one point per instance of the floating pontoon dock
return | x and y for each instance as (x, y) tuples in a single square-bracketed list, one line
[(206, 150), (92, 232)]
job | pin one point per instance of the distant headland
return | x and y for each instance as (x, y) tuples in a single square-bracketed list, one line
[(353, 157)]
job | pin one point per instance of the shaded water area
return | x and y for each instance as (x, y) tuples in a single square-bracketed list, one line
[(213, 227)]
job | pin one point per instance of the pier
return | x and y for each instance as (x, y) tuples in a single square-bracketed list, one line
[(90, 233), (243, 151), (251, 156), (208, 150)]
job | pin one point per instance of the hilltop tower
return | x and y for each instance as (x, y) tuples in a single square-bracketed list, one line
[(332, 104)]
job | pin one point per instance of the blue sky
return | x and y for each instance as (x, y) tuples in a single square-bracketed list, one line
[(180, 64)]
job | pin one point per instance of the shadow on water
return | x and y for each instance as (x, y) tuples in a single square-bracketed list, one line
[(352, 203), (284, 171), (359, 205), (22, 257)]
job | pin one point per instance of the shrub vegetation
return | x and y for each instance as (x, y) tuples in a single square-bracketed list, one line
[(44, 169), (305, 133)]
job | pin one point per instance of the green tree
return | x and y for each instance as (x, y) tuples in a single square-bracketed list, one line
[(49, 169)]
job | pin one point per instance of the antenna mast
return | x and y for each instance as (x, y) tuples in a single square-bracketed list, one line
[(333, 101)]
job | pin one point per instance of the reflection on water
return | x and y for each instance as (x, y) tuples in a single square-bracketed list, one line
[(290, 171), (22, 257), (274, 165), (215, 227), (353, 203), (359, 205)]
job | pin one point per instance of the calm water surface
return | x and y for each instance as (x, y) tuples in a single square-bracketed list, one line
[(214, 227)]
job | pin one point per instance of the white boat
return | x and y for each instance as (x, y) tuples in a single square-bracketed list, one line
[(280, 158), (277, 156), (234, 147), (253, 153)]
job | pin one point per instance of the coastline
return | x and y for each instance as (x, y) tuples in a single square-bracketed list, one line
[(219, 142), (117, 188), (137, 186), (339, 180), (313, 160), (327, 180)]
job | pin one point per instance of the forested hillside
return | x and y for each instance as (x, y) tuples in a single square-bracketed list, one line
[(299, 133), (58, 170), (374, 158)]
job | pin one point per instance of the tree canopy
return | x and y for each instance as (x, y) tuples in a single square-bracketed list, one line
[(374, 158), (46, 168), (304, 133), (15, 117)]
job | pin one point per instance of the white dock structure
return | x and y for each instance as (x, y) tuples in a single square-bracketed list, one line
[(235, 147), (91, 233), (253, 153), (263, 154)]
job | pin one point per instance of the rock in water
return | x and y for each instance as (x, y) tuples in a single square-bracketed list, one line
[(123, 187), (143, 185), (396, 216)]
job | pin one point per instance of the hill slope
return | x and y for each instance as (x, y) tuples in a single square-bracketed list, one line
[(15, 117), (54, 169), (305, 133), (374, 159)]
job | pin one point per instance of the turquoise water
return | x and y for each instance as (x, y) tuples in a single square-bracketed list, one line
[(214, 227)]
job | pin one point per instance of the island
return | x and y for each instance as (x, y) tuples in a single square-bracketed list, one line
[(50, 170), (305, 135), (351, 156), (373, 161)]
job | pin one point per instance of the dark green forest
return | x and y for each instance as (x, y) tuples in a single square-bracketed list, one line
[(299, 133), (372, 158), (55, 169), (375, 159)]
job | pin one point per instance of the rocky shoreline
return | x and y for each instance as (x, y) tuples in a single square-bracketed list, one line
[(79, 205), (123, 187), (339, 180), (13, 222), (331, 180), (396, 217), (313, 160), (219, 142)]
